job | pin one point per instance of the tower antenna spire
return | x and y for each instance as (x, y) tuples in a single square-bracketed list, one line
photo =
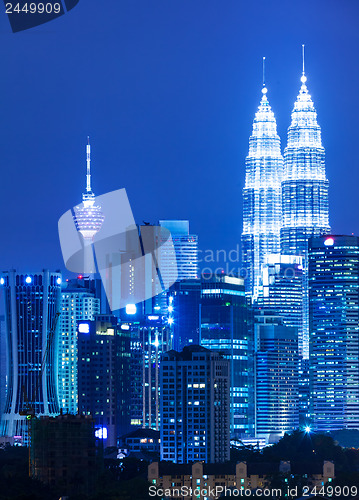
[(303, 78), (88, 163), (264, 88), (303, 58), (264, 71)]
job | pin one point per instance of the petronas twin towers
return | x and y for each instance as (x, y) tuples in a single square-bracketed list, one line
[(285, 199)]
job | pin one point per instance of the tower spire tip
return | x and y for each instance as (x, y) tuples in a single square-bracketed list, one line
[(303, 77), (264, 89)]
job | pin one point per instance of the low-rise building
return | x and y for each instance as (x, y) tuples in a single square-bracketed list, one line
[(201, 480)]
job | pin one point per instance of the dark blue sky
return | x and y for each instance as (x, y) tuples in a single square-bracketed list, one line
[(167, 91)]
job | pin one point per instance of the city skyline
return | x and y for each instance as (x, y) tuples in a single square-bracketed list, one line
[(208, 134)]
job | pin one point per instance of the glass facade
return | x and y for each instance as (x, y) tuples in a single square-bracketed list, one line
[(226, 327), (277, 393), (31, 304), (304, 188), (334, 332), (261, 194), (282, 290)]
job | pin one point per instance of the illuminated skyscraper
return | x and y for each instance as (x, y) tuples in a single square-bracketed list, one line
[(277, 390), (261, 193), (282, 290), (186, 251), (334, 332), (195, 397), (77, 303), (31, 304), (88, 217), (226, 327), (304, 188)]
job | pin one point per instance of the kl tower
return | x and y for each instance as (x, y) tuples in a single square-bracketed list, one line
[(88, 217)]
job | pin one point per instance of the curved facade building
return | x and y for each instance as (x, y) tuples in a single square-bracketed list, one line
[(31, 303), (261, 194)]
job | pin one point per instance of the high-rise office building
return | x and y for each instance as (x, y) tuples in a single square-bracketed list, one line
[(151, 336), (186, 251), (305, 207), (31, 303), (104, 376), (184, 300), (77, 303), (261, 194), (277, 392), (281, 290), (334, 332), (195, 388), (226, 327)]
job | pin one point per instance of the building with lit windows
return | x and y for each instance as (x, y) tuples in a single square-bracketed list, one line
[(195, 396), (31, 303), (186, 251), (334, 332), (104, 376), (277, 389), (281, 290), (304, 185), (261, 194), (185, 297), (226, 326), (77, 303), (151, 336), (305, 208)]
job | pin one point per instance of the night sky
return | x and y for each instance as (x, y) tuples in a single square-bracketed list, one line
[(167, 91)]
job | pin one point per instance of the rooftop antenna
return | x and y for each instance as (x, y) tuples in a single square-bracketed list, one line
[(88, 162), (264, 71), (264, 89), (303, 78)]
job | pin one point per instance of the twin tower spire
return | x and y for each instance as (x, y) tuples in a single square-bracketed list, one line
[(285, 197)]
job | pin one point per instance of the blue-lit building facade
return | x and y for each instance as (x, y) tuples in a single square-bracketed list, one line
[(277, 387), (262, 214), (195, 393), (78, 302), (305, 204), (226, 326), (31, 303), (184, 302), (104, 376), (281, 290), (334, 332)]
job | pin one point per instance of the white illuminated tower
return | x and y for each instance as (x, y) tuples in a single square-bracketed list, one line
[(304, 187), (88, 217), (261, 193)]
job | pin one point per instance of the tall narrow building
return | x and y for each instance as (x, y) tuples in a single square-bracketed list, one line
[(77, 303), (304, 189), (334, 332), (304, 186), (261, 194)]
